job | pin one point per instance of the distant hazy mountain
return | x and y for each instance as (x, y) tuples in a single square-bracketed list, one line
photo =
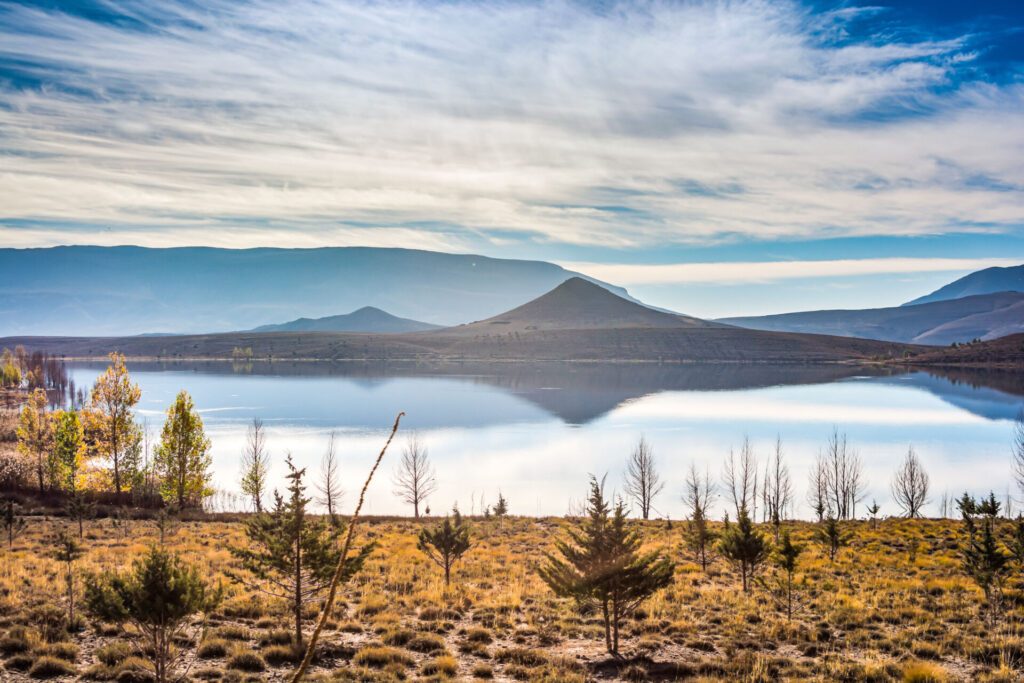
[(985, 316), (987, 281), (366, 319), (577, 321), (93, 291)]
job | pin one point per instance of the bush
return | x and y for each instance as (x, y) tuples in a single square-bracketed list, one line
[(247, 661), (426, 643), (924, 672), (51, 667), (379, 656), (212, 648), (441, 666), (19, 662), (279, 655), (66, 651), (114, 653)]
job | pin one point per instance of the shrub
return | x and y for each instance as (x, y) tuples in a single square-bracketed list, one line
[(278, 655), (114, 653), (441, 666), (51, 667), (247, 661), (426, 643), (924, 672), (212, 648), (379, 656), (66, 651)]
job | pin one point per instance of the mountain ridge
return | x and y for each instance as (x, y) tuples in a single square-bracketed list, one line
[(558, 326), (985, 281), (365, 319), (126, 290), (941, 322)]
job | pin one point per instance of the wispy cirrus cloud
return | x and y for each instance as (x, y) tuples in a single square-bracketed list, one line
[(629, 126)]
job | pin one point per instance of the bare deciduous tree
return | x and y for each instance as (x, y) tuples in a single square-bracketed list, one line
[(844, 473), (255, 464), (329, 485), (817, 488), (778, 488), (642, 480), (414, 479), (910, 485), (1018, 450), (740, 479), (697, 496)]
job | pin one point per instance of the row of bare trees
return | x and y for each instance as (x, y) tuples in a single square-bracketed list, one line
[(837, 483), (415, 478)]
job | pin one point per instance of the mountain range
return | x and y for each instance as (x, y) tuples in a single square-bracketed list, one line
[(984, 305), (365, 319), (577, 321), (117, 291), (987, 281), (941, 322)]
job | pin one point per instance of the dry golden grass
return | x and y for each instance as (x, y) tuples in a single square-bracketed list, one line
[(875, 614)]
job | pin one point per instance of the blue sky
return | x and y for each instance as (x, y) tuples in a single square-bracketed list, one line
[(719, 158)]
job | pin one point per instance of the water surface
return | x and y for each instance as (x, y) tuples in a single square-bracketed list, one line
[(536, 432)]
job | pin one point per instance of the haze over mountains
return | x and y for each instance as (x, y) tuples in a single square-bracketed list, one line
[(94, 291), (577, 321)]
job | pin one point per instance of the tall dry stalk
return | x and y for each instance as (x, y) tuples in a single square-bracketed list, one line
[(336, 579)]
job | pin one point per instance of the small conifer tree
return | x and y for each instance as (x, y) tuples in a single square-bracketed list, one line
[(292, 556), (501, 507), (157, 595), (600, 566), (873, 511), (79, 508), (13, 523), (786, 556), (744, 546), (831, 535), (446, 543), (988, 565), (66, 550)]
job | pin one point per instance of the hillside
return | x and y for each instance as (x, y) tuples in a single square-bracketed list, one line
[(579, 304), (365, 319), (986, 316), (577, 321), (121, 291), (1006, 352), (987, 281)]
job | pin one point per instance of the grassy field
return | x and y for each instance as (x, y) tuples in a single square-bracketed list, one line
[(893, 606)]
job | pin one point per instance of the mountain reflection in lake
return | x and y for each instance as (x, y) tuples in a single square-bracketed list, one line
[(536, 431)]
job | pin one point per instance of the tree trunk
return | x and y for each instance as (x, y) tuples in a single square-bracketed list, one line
[(298, 594), (416, 508), (607, 626), (117, 460)]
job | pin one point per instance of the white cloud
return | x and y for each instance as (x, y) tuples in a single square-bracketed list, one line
[(747, 272), (546, 120)]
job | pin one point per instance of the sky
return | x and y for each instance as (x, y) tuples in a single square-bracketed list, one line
[(718, 158)]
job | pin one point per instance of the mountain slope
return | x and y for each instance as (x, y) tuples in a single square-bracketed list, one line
[(131, 290), (987, 281), (939, 323), (579, 304), (577, 321), (365, 319)]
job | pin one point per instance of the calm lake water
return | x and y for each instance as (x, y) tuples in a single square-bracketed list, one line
[(536, 432)]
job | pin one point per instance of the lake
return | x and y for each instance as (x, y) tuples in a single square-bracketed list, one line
[(536, 431)]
